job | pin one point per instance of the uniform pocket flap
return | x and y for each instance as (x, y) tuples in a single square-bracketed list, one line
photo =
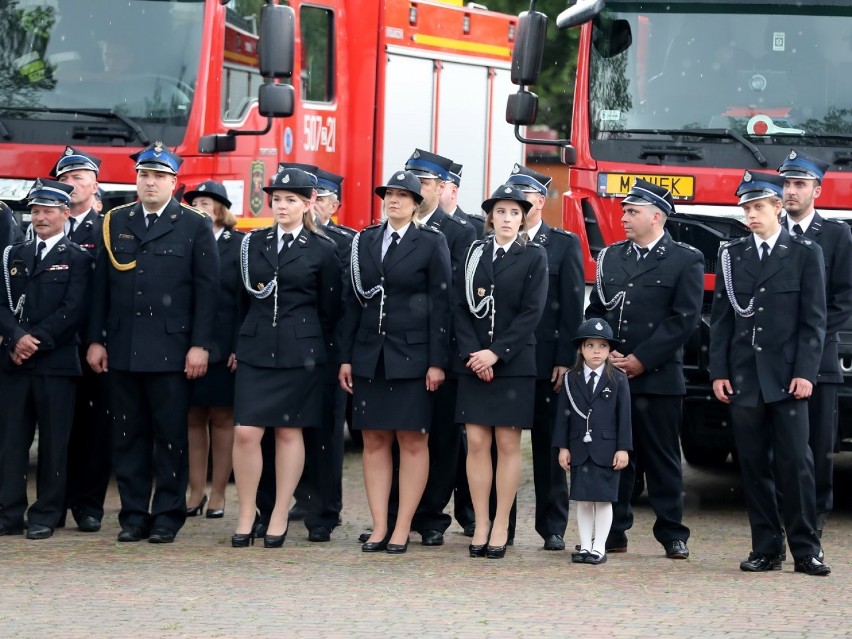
[(660, 280), (608, 434), (786, 286), (176, 250)]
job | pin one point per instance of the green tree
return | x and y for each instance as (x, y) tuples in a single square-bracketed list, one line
[(555, 86)]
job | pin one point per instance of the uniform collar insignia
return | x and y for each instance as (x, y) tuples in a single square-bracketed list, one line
[(60, 248), (226, 234)]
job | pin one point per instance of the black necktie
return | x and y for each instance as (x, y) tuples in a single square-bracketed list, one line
[(391, 247), (150, 219), (798, 230), (39, 249), (591, 383), (499, 255), (765, 254), (642, 251), (72, 223), (285, 244)]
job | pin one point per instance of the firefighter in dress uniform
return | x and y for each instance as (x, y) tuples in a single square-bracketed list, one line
[(450, 198), (155, 294), (44, 295), (767, 328)]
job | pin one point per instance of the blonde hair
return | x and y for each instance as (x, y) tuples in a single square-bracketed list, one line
[(522, 232), (224, 215)]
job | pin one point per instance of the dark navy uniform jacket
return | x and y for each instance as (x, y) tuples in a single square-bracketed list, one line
[(460, 235), (232, 297), (661, 309), (309, 293), (520, 290), (149, 316), (476, 221), (342, 237), (609, 421), (784, 337), (88, 234), (414, 333), (563, 311), (57, 299), (835, 240)]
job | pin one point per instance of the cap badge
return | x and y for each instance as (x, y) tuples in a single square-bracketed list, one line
[(747, 177), (416, 154), (598, 326), (400, 177), (69, 150), (203, 187), (286, 178), (792, 155), (481, 292), (37, 184), (516, 169), (508, 189), (158, 147)]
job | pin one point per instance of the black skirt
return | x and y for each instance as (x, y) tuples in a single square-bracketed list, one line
[(278, 397), (215, 389), (504, 401), (396, 404), (590, 482)]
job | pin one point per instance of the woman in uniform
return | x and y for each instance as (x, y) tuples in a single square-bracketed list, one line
[(212, 396), (395, 347), (293, 276), (499, 305)]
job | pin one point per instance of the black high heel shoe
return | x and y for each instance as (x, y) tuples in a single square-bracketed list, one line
[(274, 541), (242, 541), (495, 552), (194, 512), (215, 513), (397, 549), (477, 550)]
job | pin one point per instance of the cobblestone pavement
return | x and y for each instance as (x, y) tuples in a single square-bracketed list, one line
[(84, 585)]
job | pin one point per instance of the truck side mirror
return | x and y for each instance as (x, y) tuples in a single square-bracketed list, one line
[(522, 108), (276, 100), (277, 40), (529, 47), (580, 13)]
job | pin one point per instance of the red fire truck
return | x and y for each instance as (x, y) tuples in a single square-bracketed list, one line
[(689, 95), (371, 80)]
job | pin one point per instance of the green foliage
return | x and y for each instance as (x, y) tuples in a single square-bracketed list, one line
[(555, 87)]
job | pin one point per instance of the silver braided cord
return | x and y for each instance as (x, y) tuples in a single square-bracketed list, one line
[(748, 311), (486, 304), (263, 293), (618, 298), (355, 276), (17, 310), (588, 436)]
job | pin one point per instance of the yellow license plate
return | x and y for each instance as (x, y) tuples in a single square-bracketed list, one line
[(618, 184)]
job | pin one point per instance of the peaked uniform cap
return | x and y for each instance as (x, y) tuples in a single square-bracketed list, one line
[(595, 328), (529, 181), (74, 159), (294, 180), (328, 183), (211, 189), (157, 157), (405, 180), (804, 166), (428, 165), (755, 185), (310, 169), (454, 174), (49, 193), (507, 192), (643, 193)]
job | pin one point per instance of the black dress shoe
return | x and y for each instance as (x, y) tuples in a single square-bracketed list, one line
[(11, 530), (477, 550), (495, 552), (364, 537), (579, 557), (677, 550), (595, 558), (274, 541), (616, 543), (194, 512), (239, 540), (432, 538), (810, 565), (554, 542), (469, 529), (216, 513), (37, 531), (88, 524), (131, 534), (297, 513), (761, 562), (160, 535), (375, 546), (399, 549), (320, 533)]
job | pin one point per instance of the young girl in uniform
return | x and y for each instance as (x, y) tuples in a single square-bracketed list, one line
[(593, 435)]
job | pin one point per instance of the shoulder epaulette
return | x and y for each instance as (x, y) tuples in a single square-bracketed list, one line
[(735, 241), (620, 242), (476, 216), (431, 229), (120, 207), (457, 220), (835, 220), (799, 239), (324, 237), (193, 209), (686, 246), (535, 245), (560, 231), (337, 230)]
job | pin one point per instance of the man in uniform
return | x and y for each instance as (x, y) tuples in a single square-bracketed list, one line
[(450, 198), (803, 177), (554, 353), (44, 295), (154, 304), (650, 288), (767, 329), (89, 455)]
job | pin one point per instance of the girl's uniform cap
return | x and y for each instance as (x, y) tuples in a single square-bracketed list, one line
[(595, 328)]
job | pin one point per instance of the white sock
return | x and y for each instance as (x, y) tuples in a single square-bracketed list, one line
[(603, 522), (586, 523)]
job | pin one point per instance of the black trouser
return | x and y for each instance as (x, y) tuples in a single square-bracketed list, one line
[(771, 436), (822, 413), (90, 448), (656, 426), (25, 400), (320, 488), (149, 413), (551, 482)]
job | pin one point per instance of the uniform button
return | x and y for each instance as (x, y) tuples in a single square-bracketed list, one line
[(630, 285), (627, 303), (139, 292), (138, 314), (145, 252), (760, 309), (140, 271), (762, 289), (383, 333), (759, 329), (758, 348)]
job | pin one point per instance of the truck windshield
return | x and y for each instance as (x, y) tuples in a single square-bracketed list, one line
[(736, 67), (118, 64)]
